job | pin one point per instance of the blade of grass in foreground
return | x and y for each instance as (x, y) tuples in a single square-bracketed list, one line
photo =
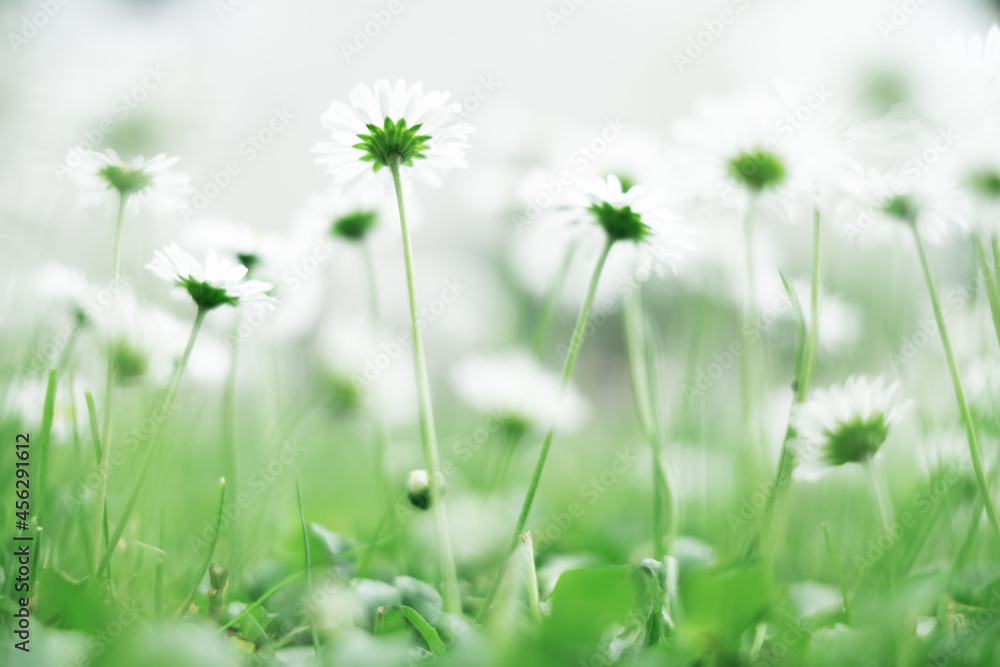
[(211, 548), (305, 542)]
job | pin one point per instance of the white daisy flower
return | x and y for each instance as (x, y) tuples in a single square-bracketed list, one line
[(234, 240), (420, 131), (728, 156), (844, 424), (633, 214), (217, 282), (140, 182), (145, 340), (517, 388), (368, 369), (888, 203)]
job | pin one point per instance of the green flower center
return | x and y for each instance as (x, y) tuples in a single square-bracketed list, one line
[(130, 363), (902, 208), (621, 224), (248, 259), (125, 180), (354, 226), (392, 142), (985, 182), (856, 441), (757, 170), (207, 296)]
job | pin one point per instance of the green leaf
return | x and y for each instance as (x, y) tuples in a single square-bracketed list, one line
[(426, 630), (720, 603), (586, 601)]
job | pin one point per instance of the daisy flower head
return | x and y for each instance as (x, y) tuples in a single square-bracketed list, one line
[(728, 155), (138, 182), (393, 126), (902, 199), (845, 424), (520, 391), (631, 213), (145, 341), (349, 215), (215, 283), (235, 240)]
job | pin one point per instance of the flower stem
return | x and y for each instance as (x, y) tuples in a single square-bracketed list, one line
[(574, 349), (803, 376), (229, 436), (551, 299), (989, 278), (147, 462), (97, 543), (449, 575), (840, 575), (378, 429), (635, 344), (963, 408)]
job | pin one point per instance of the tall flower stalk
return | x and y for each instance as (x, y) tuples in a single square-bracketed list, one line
[(963, 407), (623, 216), (665, 529), (215, 284), (97, 525), (126, 183), (428, 432), (399, 130)]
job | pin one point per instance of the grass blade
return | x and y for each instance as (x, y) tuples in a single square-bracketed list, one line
[(426, 631)]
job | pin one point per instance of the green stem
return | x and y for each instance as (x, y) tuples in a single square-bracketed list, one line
[(97, 542), (378, 428), (635, 346), (840, 574), (211, 548), (963, 408), (803, 376), (551, 299), (574, 349), (989, 278), (151, 449), (308, 554), (449, 574), (813, 340), (531, 577), (229, 437), (511, 439)]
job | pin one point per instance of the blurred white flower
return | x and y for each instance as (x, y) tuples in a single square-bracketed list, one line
[(146, 340), (370, 369), (514, 386), (844, 424), (424, 133), (889, 202), (236, 241), (210, 285), (140, 182), (350, 215), (728, 157), (654, 237)]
